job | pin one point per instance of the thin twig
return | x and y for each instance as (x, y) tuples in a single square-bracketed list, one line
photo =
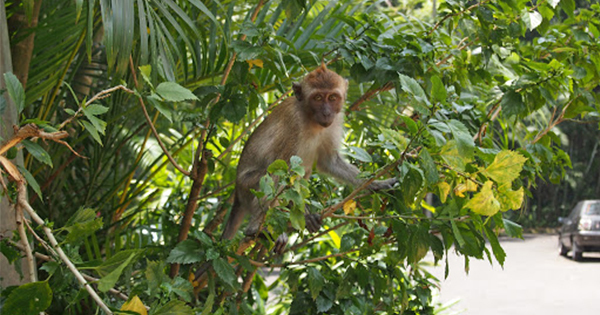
[(25, 242), (22, 201), (100, 95), (439, 23), (160, 143)]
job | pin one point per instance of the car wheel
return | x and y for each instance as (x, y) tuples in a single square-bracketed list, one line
[(577, 253), (562, 249)]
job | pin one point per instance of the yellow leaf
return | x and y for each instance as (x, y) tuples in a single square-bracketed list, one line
[(484, 202), (427, 206), (11, 169), (453, 157), (335, 238), (349, 207), (510, 199), (469, 185), (444, 191), (135, 305), (506, 167), (255, 62)]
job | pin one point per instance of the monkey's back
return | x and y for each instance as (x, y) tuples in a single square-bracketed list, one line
[(271, 140)]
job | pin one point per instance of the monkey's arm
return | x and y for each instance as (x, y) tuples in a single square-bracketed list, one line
[(334, 165)]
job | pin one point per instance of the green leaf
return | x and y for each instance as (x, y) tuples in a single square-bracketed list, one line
[(496, 248), (115, 261), (98, 123), (174, 307), (431, 173), (95, 109), (512, 104), (466, 144), (225, 272), (277, 166), (412, 87), (174, 92), (108, 282), (15, 90), (82, 215), (484, 202), (315, 282), (146, 72), (532, 19), (246, 51), (162, 108), (92, 131), (324, 304), (155, 275), (359, 154), (411, 183), (512, 229), (208, 304), (296, 165), (568, 6), (80, 230), (553, 3), (31, 181), (28, 299), (438, 90), (297, 218), (37, 152), (410, 124), (233, 108), (182, 288), (506, 167), (186, 252), (9, 251)]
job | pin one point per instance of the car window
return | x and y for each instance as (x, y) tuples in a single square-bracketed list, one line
[(575, 212), (592, 209)]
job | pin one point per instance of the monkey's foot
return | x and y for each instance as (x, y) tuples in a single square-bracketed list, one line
[(280, 243)]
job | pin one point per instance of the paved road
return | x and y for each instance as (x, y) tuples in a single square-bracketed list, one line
[(535, 280)]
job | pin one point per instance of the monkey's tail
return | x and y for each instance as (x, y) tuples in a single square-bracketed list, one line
[(202, 270)]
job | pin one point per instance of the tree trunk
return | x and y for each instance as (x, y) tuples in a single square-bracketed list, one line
[(8, 223), (23, 50)]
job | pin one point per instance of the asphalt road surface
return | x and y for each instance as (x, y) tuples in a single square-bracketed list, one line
[(535, 280)]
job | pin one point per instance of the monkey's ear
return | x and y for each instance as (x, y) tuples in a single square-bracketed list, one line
[(297, 90)]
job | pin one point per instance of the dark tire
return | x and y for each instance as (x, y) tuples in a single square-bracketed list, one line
[(562, 249), (577, 253)]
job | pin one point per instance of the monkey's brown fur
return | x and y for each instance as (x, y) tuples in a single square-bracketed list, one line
[(309, 125)]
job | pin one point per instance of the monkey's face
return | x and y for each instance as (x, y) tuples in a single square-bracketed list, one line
[(324, 106)]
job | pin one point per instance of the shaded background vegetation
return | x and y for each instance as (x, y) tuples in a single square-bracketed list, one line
[(437, 96)]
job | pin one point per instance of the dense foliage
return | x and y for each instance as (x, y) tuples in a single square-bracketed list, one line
[(464, 108)]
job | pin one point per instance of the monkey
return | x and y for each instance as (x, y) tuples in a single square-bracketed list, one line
[(309, 125)]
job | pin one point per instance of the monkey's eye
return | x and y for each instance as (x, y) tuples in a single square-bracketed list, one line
[(333, 98), (318, 98)]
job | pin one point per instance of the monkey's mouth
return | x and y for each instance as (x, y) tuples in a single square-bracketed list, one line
[(325, 124)]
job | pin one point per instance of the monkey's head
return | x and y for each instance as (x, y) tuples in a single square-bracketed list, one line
[(321, 95)]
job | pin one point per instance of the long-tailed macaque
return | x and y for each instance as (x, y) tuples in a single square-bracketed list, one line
[(309, 125)]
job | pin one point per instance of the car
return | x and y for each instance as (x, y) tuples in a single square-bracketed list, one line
[(580, 231)]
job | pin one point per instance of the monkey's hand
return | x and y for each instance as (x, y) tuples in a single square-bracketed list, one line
[(383, 184), (313, 222)]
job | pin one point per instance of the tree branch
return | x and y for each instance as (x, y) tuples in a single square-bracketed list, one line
[(22, 202)]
